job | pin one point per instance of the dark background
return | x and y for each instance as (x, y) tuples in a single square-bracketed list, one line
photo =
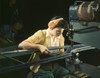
[(35, 14)]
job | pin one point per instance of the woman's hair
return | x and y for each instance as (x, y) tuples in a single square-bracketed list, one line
[(56, 17)]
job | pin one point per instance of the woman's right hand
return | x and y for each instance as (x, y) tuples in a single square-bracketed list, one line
[(44, 49)]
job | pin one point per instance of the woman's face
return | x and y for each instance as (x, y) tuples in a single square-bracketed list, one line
[(57, 31)]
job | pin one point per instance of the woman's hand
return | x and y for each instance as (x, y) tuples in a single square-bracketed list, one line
[(44, 49)]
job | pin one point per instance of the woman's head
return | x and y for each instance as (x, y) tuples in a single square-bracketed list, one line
[(57, 25)]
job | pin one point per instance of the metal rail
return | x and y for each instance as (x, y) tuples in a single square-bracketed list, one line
[(15, 67)]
